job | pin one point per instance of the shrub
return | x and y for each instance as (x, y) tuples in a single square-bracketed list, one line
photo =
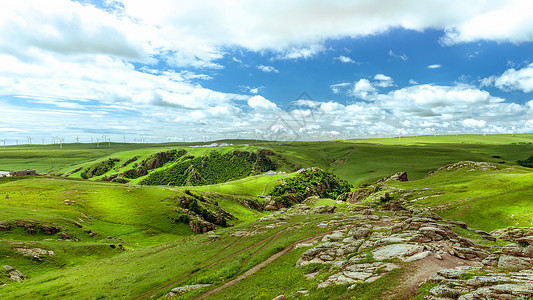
[(213, 168), (526, 162), (99, 168)]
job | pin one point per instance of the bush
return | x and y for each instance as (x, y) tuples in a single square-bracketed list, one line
[(99, 168), (213, 168), (311, 182), (526, 162)]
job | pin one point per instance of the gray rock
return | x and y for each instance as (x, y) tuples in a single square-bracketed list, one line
[(515, 262), (187, 288), (450, 273), (8, 268), (390, 251), (359, 232), (479, 281)]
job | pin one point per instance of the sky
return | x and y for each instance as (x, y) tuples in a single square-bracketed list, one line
[(180, 71)]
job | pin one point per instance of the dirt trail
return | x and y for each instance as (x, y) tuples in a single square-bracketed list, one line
[(423, 269), (268, 240), (260, 265)]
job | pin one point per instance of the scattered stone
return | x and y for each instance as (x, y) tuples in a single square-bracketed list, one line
[(310, 276), (213, 237), (34, 252), (280, 297), (14, 274), (188, 288)]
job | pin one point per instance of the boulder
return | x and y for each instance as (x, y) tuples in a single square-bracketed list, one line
[(393, 250), (515, 262), (359, 232)]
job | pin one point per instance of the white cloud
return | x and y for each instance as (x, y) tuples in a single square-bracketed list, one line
[(260, 103), (331, 106), (434, 66), (383, 81), (500, 21), (412, 81), (362, 88), (337, 88), (345, 59), (382, 77), (512, 79), (267, 69), (400, 56), (301, 52), (474, 123)]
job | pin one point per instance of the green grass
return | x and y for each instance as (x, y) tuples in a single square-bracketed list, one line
[(485, 200), (250, 186), (160, 252), (132, 273)]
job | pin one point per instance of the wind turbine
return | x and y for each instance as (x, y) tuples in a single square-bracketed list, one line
[(29, 140), (4, 140), (61, 141), (77, 140), (97, 145)]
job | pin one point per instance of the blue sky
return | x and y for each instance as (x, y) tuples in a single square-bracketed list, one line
[(292, 70)]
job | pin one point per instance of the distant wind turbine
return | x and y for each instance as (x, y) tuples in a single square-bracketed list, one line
[(29, 140), (4, 140)]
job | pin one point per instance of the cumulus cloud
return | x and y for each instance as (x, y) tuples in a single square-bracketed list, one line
[(363, 88), (267, 69), (512, 79), (474, 123), (506, 21), (260, 103), (383, 81)]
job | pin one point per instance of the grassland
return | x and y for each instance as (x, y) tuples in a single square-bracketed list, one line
[(485, 200), (161, 253)]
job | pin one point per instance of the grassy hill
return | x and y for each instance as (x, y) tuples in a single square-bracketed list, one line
[(160, 253)]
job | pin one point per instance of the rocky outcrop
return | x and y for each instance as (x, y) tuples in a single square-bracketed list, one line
[(512, 233), (14, 274), (186, 288), (201, 226), (469, 283), (400, 176), (31, 226), (355, 196), (470, 165)]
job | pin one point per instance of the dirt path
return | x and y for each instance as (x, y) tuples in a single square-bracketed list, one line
[(268, 240), (423, 269), (260, 265)]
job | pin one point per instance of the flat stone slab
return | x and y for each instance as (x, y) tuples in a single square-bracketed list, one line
[(391, 251)]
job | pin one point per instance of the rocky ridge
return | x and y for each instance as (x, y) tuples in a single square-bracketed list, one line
[(367, 243)]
